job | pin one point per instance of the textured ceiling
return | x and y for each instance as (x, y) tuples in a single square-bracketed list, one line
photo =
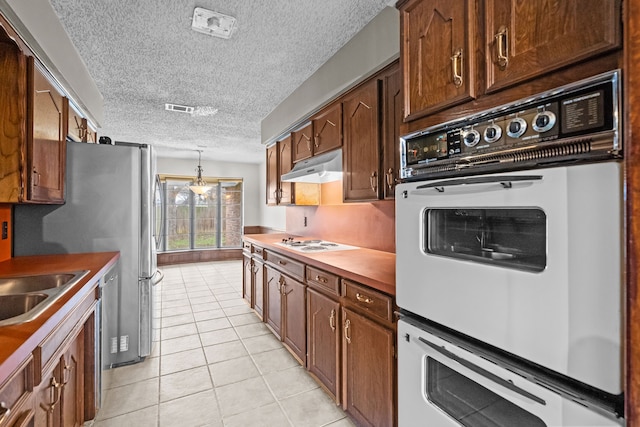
[(143, 54)]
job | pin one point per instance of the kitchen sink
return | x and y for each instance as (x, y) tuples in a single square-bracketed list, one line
[(18, 304), (24, 298)]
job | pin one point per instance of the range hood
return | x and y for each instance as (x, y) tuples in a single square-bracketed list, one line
[(319, 169)]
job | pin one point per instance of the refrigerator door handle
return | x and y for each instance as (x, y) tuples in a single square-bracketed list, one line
[(156, 278)]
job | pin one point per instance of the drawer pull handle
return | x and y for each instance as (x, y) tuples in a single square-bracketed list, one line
[(456, 66), (4, 412), (55, 395), (363, 298), (332, 319), (282, 262), (66, 373), (347, 325), (321, 279)]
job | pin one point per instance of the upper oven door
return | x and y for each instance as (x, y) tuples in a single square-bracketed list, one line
[(529, 262)]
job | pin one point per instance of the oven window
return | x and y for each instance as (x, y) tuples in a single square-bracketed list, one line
[(507, 237), (471, 404)]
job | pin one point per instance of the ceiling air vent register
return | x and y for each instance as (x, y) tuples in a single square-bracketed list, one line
[(213, 23)]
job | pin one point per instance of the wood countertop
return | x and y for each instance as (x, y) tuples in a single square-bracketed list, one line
[(376, 269), (17, 342)]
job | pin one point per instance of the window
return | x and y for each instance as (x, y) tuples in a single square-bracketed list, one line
[(188, 221)]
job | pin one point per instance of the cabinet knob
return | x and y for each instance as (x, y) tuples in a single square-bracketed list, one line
[(502, 47)]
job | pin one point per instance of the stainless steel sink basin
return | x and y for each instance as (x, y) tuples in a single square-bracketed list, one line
[(24, 298), (18, 304)]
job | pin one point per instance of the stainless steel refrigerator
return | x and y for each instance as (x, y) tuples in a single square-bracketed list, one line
[(109, 206)]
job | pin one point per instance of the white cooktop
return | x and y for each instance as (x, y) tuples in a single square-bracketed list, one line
[(315, 246)]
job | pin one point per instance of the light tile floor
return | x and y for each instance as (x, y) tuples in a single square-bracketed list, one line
[(214, 363)]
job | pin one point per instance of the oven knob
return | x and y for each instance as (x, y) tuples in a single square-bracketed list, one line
[(471, 138), (517, 127), (492, 133), (544, 121)]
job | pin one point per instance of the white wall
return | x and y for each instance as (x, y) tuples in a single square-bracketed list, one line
[(252, 175)]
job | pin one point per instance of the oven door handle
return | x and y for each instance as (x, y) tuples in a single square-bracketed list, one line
[(505, 181), (478, 370)]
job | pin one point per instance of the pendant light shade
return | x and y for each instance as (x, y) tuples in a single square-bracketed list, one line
[(199, 185)]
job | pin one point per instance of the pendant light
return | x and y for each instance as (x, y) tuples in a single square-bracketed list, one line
[(199, 185)]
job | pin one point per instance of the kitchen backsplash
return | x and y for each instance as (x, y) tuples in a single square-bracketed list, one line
[(368, 225)]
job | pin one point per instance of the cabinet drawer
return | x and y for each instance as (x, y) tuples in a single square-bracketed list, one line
[(370, 300), (257, 250), (323, 280), (286, 265), (17, 389), (246, 246)]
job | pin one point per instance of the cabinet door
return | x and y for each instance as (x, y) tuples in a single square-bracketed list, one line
[(46, 158), (295, 319), (47, 399), (258, 286), (302, 143), (327, 129), (272, 175), (526, 39), (323, 332), (76, 127), (13, 112), (362, 143), (285, 189), (438, 54), (368, 370), (247, 279), (273, 300), (392, 117), (72, 371)]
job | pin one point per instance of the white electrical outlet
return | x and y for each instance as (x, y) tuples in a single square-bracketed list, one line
[(114, 344), (124, 343)]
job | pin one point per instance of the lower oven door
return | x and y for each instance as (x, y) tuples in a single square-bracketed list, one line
[(529, 262), (441, 384)]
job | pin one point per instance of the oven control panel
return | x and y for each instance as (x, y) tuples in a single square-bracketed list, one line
[(578, 121)]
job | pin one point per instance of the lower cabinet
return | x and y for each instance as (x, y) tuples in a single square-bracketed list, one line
[(16, 397), (323, 340), (247, 278), (368, 370), (258, 287), (285, 311), (59, 398)]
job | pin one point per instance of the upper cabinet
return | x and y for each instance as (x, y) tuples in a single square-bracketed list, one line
[(302, 142), (361, 180), (526, 39), (46, 139), (392, 117), (33, 129), (278, 163), (327, 129), (438, 54)]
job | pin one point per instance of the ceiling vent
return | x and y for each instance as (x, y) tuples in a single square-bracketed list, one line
[(178, 108), (213, 23)]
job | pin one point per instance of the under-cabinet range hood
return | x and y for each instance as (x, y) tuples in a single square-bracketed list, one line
[(319, 169)]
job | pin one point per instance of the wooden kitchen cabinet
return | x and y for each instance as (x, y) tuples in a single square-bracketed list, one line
[(247, 278), (302, 143), (285, 301), (368, 370), (279, 162), (60, 395), (327, 129), (526, 39), (33, 114), (16, 397), (438, 54), (323, 340), (258, 286), (392, 114), (361, 120)]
